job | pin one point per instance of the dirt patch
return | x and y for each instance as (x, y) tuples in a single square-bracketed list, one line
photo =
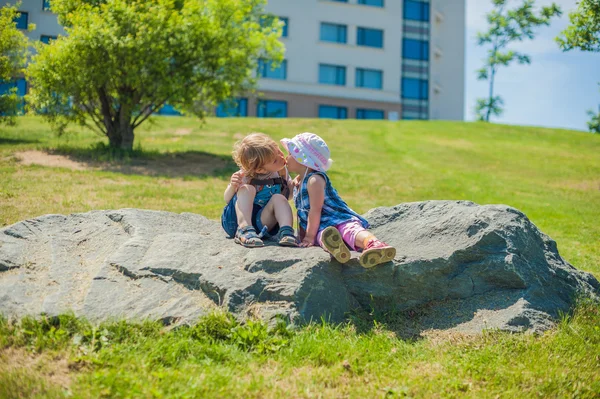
[(169, 165), (582, 185), (182, 132), (53, 370), (51, 160)]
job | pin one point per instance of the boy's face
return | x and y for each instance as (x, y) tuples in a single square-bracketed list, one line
[(274, 165)]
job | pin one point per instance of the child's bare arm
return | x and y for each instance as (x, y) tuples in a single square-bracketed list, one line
[(234, 184), (316, 197)]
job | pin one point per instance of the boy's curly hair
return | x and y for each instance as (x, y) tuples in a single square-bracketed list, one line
[(254, 151)]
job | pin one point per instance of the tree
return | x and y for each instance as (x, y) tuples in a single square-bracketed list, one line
[(584, 34), (122, 60), (13, 55), (594, 123), (507, 26)]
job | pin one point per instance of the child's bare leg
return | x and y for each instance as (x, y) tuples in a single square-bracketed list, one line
[(374, 252), (244, 205), (277, 210), (362, 238)]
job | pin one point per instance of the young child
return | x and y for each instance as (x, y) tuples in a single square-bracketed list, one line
[(323, 217), (257, 195)]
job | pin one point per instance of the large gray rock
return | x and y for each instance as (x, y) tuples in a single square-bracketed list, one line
[(463, 266)]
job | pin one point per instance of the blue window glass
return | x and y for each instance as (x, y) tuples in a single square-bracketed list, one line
[(369, 37), (20, 84), (333, 33), (332, 112), (369, 78), (271, 109), (237, 107), (417, 89), (284, 32), (340, 1), (415, 49), (362, 113), (375, 3), (46, 5), (22, 20), (416, 10), (265, 70), (168, 110), (47, 39), (332, 74)]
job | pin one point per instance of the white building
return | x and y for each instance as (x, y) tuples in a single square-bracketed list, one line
[(365, 59)]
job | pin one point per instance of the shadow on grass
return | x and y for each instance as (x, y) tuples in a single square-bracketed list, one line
[(188, 164), (7, 141)]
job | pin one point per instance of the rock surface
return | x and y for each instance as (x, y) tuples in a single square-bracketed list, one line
[(471, 267)]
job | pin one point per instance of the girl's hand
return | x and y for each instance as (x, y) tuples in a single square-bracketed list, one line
[(296, 181), (307, 243), (236, 179)]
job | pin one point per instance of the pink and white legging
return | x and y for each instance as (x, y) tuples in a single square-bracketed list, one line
[(349, 230)]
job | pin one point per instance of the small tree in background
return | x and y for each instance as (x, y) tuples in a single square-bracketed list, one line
[(122, 60), (507, 26), (584, 34), (13, 55)]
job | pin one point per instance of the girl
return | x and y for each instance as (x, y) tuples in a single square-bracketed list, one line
[(257, 195), (323, 217)]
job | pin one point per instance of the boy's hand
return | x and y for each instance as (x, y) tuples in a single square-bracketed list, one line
[(236, 179)]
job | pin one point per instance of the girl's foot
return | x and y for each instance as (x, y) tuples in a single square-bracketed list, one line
[(286, 237), (375, 253), (247, 237), (335, 245)]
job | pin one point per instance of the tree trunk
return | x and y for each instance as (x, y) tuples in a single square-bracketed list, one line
[(491, 95), (119, 131)]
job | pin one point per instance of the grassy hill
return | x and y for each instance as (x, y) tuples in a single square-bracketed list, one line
[(182, 165)]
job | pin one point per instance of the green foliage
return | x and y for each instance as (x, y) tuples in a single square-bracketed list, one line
[(507, 26), (594, 123), (13, 55), (584, 34), (584, 31), (122, 60)]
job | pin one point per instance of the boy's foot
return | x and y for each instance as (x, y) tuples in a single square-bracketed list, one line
[(375, 253), (247, 237), (334, 244), (286, 237)]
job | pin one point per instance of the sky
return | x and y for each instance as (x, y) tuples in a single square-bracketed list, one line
[(555, 90)]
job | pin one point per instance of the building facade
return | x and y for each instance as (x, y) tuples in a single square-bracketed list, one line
[(346, 59)]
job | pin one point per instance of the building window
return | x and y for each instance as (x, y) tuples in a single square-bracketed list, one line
[(45, 5), (415, 49), (22, 20), (168, 110), (375, 3), (230, 108), (417, 89), (265, 70), (271, 109), (369, 78), (20, 84), (47, 39), (332, 74), (362, 113), (333, 33), (333, 112), (284, 32), (416, 10), (369, 37)]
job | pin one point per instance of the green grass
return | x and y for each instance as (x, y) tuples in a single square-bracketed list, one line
[(181, 165)]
